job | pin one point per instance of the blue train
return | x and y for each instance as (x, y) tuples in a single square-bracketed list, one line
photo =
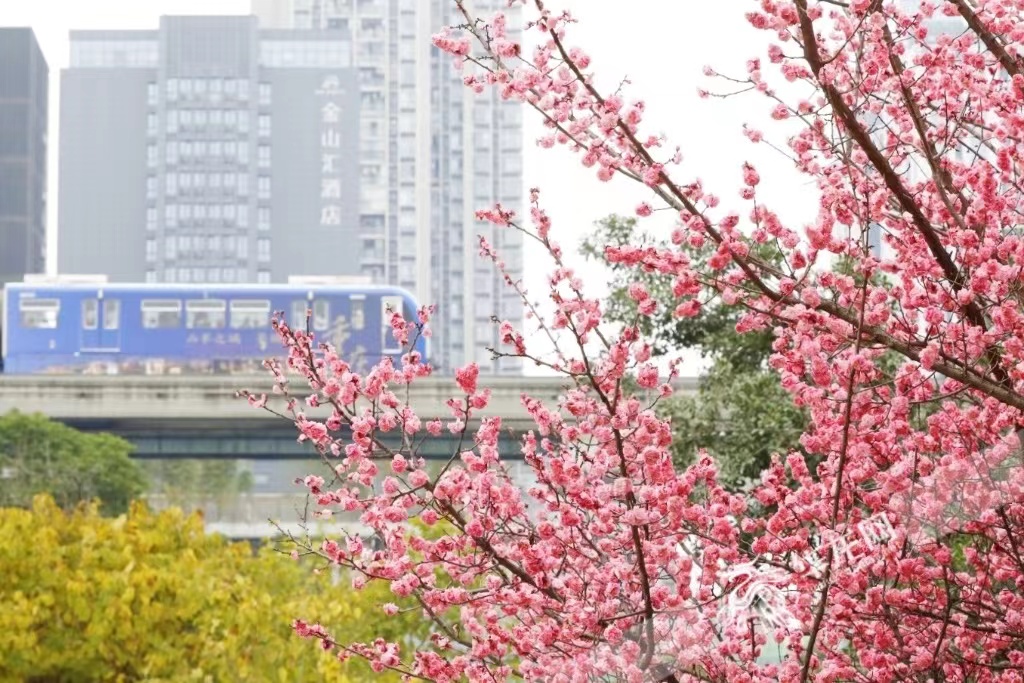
[(108, 328)]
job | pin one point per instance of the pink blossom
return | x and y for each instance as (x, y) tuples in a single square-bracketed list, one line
[(907, 369), (466, 377)]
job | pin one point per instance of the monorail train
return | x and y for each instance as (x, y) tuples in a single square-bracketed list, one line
[(109, 328)]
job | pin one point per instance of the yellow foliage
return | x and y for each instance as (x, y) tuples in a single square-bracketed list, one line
[(152, 597)]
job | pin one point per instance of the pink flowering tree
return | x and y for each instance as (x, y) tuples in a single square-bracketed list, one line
[(899, 557)]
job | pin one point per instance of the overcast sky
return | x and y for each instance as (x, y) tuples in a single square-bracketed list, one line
[(660, 45)]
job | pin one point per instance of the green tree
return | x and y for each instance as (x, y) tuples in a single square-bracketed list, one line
[(153, 597), (39, 455), (740, 413)]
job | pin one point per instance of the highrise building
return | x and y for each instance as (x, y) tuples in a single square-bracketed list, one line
[(431, 153), (209, 151), (24, 78)]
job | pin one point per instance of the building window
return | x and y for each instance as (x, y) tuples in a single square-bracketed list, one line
[(264, 125), (152, 94), (265, 93), (263, 249), (186, 89), (214, 244), (150, 276), (263, 220), (171, 184), (263, 187), (184, 275), (243, 184), (243, 90), (151, 156), (243, 122), (249, 313), (263, 156), (198, 275), (213, 274), (242, 247), (171, 150), (170, 247), (169, 275), (203, 314), (171, 215), (263, 277), (172, 89), (151, 218), (151, 187), (242, 215), (227, 274), (151, 123), (243, 153), (151, 250)]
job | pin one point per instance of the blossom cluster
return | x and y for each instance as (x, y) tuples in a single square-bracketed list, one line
[(910, 366)]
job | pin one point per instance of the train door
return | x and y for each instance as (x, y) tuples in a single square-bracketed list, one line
[(101, 324), (389, 305)]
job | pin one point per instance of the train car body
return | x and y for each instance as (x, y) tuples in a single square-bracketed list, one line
[(114, 328)]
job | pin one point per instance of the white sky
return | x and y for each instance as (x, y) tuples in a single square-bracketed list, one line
[(660, 45)]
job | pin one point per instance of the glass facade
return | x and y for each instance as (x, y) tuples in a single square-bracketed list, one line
[(209, 136), (23, 143)]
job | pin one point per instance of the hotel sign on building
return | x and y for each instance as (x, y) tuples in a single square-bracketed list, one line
[(331, 95)]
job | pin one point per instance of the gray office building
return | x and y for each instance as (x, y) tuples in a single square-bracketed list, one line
[(24, 80), (431, 153), (209, 151)]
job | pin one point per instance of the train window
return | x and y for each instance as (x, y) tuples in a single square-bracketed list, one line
[(298, 315), (111, 314), (205, 314), (250, 313), (90, 314), (40, 314), (161, 314), (389, 305), (321, 314), (358, 315)]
